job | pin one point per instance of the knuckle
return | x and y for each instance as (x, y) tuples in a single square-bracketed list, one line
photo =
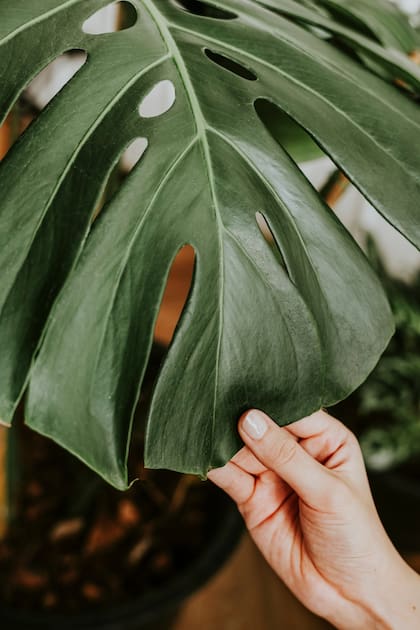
[(352, 445), (284, 452), (337, 426), (352, 439), (246, 511)]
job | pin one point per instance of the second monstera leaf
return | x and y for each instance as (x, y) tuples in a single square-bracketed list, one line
[(286, 330)]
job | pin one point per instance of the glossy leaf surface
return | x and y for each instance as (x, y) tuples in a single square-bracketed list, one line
[(287, 331)]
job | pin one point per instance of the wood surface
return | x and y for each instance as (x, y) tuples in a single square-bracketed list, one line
[(246, 595)]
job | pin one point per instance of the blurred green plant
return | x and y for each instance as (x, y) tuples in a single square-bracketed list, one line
[(392, 391)]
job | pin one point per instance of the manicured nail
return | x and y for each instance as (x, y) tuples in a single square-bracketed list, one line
[(254, 425)]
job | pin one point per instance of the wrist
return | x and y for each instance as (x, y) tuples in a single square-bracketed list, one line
[(399, 605), (394, 601), (390, 600)]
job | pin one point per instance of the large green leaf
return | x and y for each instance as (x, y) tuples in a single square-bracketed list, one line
[(287, 331)]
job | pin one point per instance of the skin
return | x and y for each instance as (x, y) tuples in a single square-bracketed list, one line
[(305, 498)]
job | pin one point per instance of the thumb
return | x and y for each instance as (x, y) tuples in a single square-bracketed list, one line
[(279, 451)]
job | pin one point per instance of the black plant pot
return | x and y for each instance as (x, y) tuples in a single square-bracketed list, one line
[(156, 609), (397, 498)]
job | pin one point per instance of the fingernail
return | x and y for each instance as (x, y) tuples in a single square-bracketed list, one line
[(254, 425)]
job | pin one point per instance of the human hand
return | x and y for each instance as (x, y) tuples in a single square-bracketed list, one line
[(305, 497)]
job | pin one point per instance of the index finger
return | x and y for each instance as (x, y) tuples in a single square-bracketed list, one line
[(315, 424)]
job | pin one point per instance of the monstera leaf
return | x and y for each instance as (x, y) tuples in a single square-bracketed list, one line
[(288, 328)]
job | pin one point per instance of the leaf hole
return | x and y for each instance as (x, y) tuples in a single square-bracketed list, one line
[(129, 158), (204, 9), (229, 64), (311, 159), (269, 237), (291, 136), (38, 94), (159, 100), (132, 154), (175, 295), (112, 18), (264, 228), (315, 164), (5, 138), (52, 79)]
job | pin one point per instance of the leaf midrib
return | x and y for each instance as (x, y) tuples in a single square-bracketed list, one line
[(201, 126)]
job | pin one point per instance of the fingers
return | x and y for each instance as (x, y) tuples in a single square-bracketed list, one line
[(304, 455), (315, 424), (237, 476), (246, 460), (330, 442), (277, 448), (257, 498), (237, 483)]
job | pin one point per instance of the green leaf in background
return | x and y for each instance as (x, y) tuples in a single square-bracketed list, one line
[(381, 19), (391, 61), (295, 140), (78, 301), (389, 400)]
